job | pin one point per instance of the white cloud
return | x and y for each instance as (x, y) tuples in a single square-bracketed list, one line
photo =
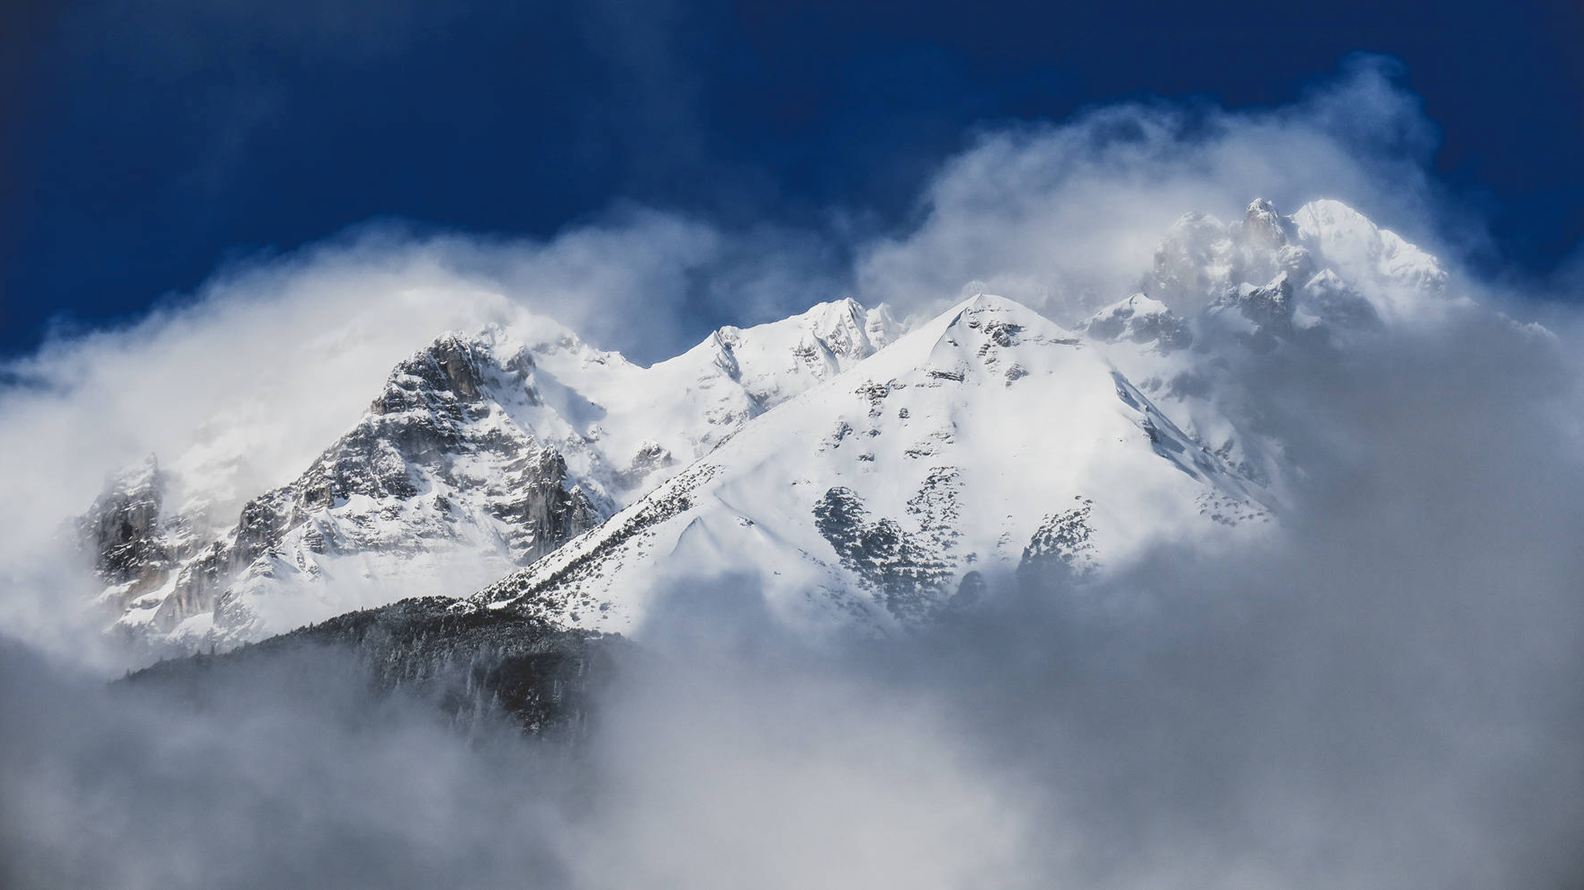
[(1065, 216)]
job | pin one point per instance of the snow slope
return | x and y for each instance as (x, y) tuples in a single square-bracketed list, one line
[(986, 440)]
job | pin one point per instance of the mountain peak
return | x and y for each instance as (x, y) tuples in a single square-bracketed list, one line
[(448, 368), (976, 334), (981, 302), (1390, 272), (1330, 211), (1139, 319), (845, 305), (844, 327), (122, 532), (982, 307), (1261, 221), (1202, 261)]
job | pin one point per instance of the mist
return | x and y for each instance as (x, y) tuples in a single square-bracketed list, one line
[(1389, 693)]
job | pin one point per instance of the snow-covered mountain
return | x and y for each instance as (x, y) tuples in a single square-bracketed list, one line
[(481, 454), (897, 475), (991, 446), (1318, 280), (986, 440), (1326, 265)]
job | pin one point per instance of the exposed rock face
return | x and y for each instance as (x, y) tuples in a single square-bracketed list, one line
[(1060, 551), (1203, 260), (122, 531), (903, 569), (651, 457), (1262, 223), (434, 464), (1269, 308), (125, 535)]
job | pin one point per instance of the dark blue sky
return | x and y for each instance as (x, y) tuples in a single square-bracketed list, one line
[(142, 143)]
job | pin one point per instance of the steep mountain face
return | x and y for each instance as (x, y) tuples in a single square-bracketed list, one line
[(132, 541), (480, 455), (986, 439)]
